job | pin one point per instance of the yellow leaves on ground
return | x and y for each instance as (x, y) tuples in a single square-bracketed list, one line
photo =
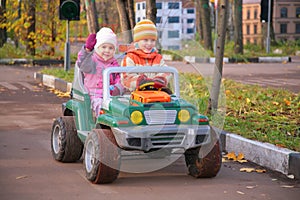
[(287, 102), (248, 100), (232, 156), (250, 169), (60, 93)]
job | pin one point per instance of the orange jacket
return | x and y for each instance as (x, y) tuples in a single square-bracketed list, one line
[(137, 57)]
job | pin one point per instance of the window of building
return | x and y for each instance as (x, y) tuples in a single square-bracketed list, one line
[(283, 28), (138, 6), (248, 41), (298, 12), (144, 6), (248, 14), (190, 11), (283, 12), (190, 21), (172, 5), (255, 41), (297, 28), (190, 30), (174, 47), (255, 29), (138, 19), (248, 29), (255, 14), (158, 20), (158, 5), (173, 34), (173, 20)]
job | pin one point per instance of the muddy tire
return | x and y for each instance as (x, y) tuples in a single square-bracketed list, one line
[(101, 157), (205, 161), (65, 145)]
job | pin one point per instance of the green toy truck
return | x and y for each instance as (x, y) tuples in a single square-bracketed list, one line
[(147, 119)]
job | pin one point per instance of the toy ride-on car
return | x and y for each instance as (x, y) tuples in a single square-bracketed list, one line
[(146, 119)]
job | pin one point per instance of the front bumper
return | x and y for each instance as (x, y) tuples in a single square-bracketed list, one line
[(146, 138)]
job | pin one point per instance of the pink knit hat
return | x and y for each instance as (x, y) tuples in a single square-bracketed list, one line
[(105, 35)]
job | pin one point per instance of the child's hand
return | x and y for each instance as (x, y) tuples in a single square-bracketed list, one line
[(114, 91), (142, 79), (91, 41), (159, 80)]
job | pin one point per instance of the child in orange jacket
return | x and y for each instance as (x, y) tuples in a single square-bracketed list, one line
[(143, 54)]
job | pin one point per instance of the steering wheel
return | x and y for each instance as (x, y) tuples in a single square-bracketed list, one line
[(154, 85)]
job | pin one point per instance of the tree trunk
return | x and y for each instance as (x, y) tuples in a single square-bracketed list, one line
[(205, 19), (91, 15), (131, 13), (52, 12), (151, 10), (124, 21), (238, 21), (103, 12), (221, 35), (30, 41), (198, 21), (3, 33)]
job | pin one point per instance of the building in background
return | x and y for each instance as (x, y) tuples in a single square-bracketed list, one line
[(175, 21), (252, 25), (285, 19)]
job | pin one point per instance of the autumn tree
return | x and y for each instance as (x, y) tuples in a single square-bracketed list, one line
[(205, 22), (127, 17), (198, 20), (151, 10), (3, 31), (91, 15), (218, 70), (29, 6), (237, 21)]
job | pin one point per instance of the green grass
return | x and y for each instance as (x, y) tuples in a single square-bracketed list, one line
[(262, 114), (60, 73)]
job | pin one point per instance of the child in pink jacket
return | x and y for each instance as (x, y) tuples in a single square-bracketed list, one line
[(96, 55)]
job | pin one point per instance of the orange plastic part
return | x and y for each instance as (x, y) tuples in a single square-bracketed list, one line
[(150, 96)]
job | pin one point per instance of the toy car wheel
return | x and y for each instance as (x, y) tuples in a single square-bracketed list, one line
[(205, 161), (65, 144), (101, 157)]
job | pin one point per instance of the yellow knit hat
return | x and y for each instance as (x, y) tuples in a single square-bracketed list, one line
[(144, 29)]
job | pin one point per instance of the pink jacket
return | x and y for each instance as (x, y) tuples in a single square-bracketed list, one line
[(92, 66)]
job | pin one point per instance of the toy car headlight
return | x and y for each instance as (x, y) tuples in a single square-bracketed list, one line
[(136, 117), (183, 115)]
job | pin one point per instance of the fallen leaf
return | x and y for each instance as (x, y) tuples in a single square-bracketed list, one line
[(242, 161), (227, 92), (240, 156), (239, 192), (248, 100), (287, 102), (251, 186), (275, 103), (287, 186), (291, 176), (260, 170), (21, 177), (248, 170), (231, 156)]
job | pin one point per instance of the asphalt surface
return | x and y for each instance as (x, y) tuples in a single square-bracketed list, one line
[(28, 171)]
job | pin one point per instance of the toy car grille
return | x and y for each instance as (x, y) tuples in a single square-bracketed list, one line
[(163, 139), (160, 116)]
